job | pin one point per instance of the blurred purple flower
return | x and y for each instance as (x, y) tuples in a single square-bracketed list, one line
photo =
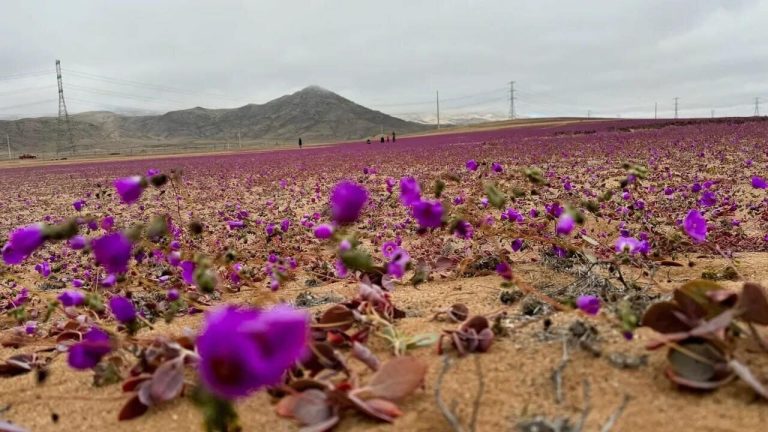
[(463, 230), (496, 167), (88, 352), (71, 298), (77, 242), (323, 231), (22, 242), (471, 165), (695, 226), (113, 251), (759, 183), (243, 350), (517, 244), (504, 270), (347, 201), (188, 271), (410, 191), (130, 188), (79, 204), (428, 214), (44, 268), (565, 224), (123, 309), (588, 304)]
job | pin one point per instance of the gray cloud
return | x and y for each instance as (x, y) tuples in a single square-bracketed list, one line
[(567, 57)]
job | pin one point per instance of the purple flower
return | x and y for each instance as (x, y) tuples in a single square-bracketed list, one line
[(77, 242), (695, 226), (270, 229), (152, 172), (175, 245), (484, 202), (130, 188), (428, 214), (20, 298), (79, 204), (22, 243), (553, 209), (397, 266), (172, 294), (77, 283), (108, 223), (71, 298), (758, 183), (630, 245), (708, 199), (109, 280), (390, 182), (588, 304), (122, 309), (347, 201), (496, 167), (388, 249), (463, 230), (88, 352), (285, 225), (504, 270), (235, 224), (695, 188), (174, 258), (565, 224), (243, 350), (471, 165), (44, 268), (113, 252), (323, 231), (410, 192), (188, 271), (517, 244), (341, 269)]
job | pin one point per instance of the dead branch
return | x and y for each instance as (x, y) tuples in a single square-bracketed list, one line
[(616, 414), (557, 373)]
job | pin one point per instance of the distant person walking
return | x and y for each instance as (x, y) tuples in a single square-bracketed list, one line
[(369, 141), (382, 139), (393, 136), (300, 142)]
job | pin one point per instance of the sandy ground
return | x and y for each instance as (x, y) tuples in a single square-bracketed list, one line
[(517, 372)]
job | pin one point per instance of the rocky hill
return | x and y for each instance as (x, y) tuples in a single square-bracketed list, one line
[(314, 113)]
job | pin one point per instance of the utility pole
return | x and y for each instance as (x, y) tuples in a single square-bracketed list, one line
[(676, 98), (437, 95), (8, 141), (713, 113), (239, 143), (511, 100), (589, 114), (655, 110), (757, 107)]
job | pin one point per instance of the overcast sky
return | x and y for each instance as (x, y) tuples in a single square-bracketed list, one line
[(566, 57)]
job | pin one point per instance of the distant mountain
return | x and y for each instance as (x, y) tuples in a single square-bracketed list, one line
[(314, 114)]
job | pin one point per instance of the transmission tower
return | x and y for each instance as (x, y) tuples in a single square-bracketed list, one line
[(511, 100), (676, 107), (757, 107), (62, 122)]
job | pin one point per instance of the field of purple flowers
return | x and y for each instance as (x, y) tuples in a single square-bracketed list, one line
[(568, 276)]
